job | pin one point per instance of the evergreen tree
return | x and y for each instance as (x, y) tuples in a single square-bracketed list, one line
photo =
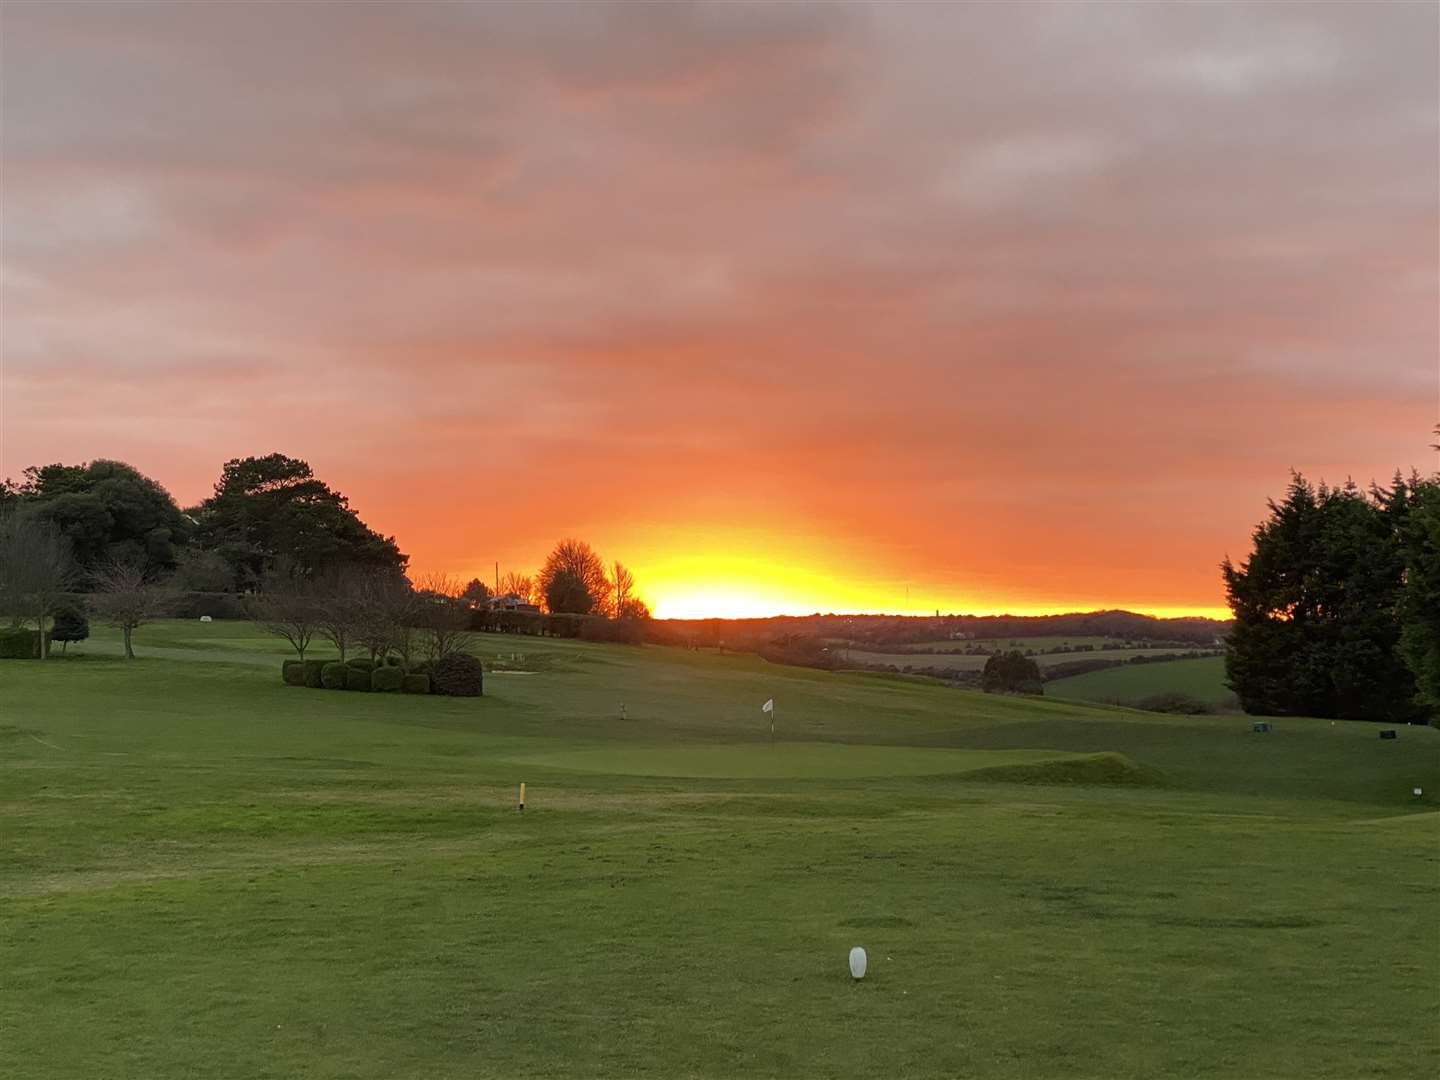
[(69, 624), (1420, 612), (271, 508), (1316, 607)]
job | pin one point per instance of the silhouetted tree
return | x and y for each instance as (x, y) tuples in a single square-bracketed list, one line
[(513, 584), (578, 559), (1420, 610), (107, 510), (566, 594), (273, 507), (442, 618), (1011, 673), (385, 608), (475, 592), (1316, 629)]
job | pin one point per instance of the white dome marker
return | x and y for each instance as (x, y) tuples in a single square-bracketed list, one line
[(857, 963)]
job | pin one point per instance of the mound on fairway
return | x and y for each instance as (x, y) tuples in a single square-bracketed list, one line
[(821, 761)]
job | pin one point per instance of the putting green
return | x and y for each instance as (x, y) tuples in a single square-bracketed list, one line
[(789, 760)]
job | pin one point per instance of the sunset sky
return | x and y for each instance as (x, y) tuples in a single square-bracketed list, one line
[(789, 307)]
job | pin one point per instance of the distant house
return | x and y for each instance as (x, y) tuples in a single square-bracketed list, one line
[(510, 602)]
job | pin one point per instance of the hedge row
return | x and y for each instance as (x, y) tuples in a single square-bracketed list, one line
[(19, 643), (388, 678)]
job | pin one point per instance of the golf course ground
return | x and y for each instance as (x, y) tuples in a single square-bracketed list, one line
[(207, 873), (1202, 678)]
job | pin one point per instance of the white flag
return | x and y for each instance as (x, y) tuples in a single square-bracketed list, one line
[(769, 706)]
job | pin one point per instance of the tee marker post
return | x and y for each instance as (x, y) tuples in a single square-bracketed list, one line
[(522, 796)]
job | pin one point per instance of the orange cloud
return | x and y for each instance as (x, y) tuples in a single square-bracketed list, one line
[(788, 307)]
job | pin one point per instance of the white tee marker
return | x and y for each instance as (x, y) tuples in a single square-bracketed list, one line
[(858, 963)]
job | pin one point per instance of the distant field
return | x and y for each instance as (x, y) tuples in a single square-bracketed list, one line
[(1202, 679), (1023, 644), (961, 662), (1036, 643), (206, 873)]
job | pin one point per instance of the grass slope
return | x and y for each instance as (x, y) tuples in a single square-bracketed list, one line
[(962, 662), (207, 873), (1202, 679)]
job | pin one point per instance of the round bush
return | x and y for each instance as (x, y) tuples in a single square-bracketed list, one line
[(19, 644), (416, 684), (361, 664), (355, 679), (293, 672), (458, 675), (387, 679), (313, 668), (333, 676)]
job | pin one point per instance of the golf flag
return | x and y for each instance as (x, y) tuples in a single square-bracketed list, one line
[(769, 706)]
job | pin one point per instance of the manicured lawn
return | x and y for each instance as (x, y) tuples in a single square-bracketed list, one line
[(964, 662), (1202, 679), (207, 873)]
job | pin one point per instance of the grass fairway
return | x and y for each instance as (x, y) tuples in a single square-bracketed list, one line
[(207, 873), (799, 761), (951, 661), (1202, 679)]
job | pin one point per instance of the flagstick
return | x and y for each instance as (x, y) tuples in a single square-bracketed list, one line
[(772, 723)]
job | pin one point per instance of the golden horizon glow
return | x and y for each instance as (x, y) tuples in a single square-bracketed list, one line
[(726, 585), (744, 600)]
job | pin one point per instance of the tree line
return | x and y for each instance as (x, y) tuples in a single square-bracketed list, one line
[(1337, 607), (272, 534)]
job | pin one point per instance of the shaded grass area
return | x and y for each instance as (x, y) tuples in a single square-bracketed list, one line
[(1202, 679), (208, 873)]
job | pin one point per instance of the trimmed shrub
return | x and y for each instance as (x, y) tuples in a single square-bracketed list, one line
[(387, 679), (356, 679), (293, 673), (415, 684), (458, 675), (360, 664), (333, 675), (421, 668), (19, 643), (313, 670)]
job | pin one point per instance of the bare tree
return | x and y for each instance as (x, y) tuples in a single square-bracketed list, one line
[(441, 616), (513, 584), (37, 571), (337, 608), (384, 608), (400, 606), (126, 598), (287, 607)]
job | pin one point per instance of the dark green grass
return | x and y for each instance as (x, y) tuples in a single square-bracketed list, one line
[(950, 661), (207, 873), (1202, 679)]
